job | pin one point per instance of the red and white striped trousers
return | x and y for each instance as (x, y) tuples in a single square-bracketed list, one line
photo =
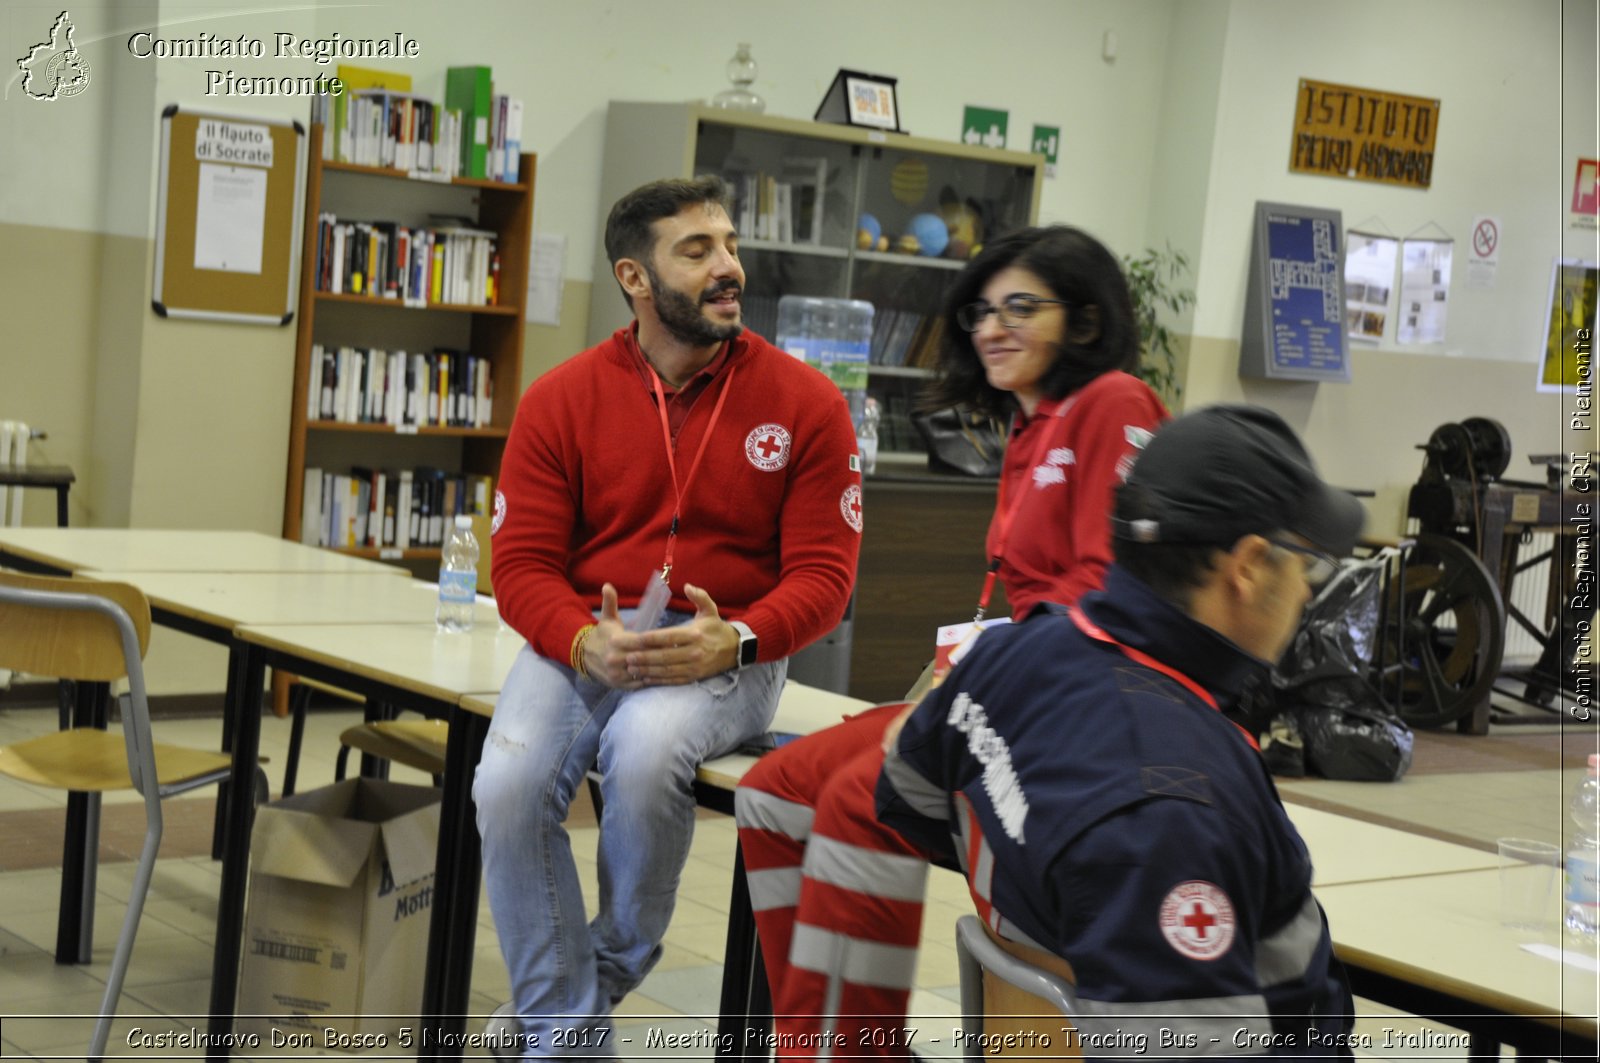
[(837, 895)]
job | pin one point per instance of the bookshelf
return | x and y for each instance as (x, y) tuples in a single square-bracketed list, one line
[(800, 189), (360, 409)]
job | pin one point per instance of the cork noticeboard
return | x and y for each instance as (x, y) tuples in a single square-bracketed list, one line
[(228, 223)]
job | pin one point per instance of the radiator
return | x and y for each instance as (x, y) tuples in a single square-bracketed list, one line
[(14, 436), (1529, 591)]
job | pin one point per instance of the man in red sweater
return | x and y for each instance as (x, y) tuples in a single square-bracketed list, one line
[(682, 447)]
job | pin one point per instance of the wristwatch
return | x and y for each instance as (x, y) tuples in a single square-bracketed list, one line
[(747, 643)]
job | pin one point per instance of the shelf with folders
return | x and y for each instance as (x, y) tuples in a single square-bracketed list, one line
[(825, 210), (393, 381)]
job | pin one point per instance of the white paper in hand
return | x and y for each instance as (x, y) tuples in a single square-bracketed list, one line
[(651, 604)]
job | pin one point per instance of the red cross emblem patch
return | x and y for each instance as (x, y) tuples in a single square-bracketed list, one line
[(1197, 920), (850, 506), (499, 511), (767, 447)]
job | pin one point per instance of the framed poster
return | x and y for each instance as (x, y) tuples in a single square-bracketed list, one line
[(861, 99), (227, 225), (1569, 319), (1369, 263), (1294, 304)]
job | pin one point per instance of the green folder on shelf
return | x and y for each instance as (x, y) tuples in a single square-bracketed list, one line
[(470, 89)]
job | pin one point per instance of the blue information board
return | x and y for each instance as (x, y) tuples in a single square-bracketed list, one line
[(1294, 322)]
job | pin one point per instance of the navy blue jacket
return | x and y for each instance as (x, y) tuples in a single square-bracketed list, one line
[(1106, 813)]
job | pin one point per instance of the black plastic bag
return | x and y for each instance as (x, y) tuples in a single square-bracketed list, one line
[(1349, 734), (1346, 730), (961, 441)]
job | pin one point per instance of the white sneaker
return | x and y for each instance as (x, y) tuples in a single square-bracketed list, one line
[(502, 1034)]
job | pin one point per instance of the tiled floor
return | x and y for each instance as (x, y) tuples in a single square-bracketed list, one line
[(46, 1005)]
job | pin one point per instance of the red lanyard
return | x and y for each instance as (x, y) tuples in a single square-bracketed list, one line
[(1094, 631), (1006, 514), (679, 490)]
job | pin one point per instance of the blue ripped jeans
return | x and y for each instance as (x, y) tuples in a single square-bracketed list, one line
[(549, 728)]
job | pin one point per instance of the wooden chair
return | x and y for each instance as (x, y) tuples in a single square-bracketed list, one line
[(417, 744), (1011, 989), (97, 632)]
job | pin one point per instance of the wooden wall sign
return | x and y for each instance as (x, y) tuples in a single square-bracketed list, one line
[(1363, 134)]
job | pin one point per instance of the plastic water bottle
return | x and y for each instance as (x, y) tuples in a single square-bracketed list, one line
[(458, 579), (1583, 883), (867, 437), (832, 335)]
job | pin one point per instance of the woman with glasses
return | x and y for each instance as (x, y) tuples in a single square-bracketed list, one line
[(1039, 329)]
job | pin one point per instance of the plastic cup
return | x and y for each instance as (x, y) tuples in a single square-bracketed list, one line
[(1528, 883)]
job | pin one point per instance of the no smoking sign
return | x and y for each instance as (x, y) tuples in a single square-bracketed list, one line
[(1483, 251), (1485, 238)]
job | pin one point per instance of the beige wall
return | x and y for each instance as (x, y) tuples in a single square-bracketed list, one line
[(46, 354)]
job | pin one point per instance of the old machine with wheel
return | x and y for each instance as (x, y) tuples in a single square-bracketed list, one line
[(1447, 615)]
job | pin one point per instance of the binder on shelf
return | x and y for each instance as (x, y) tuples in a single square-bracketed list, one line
[(311, 508), (470, 90), (513, 145), (403, 509)]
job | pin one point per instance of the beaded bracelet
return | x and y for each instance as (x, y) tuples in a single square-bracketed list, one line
[(578, 642)]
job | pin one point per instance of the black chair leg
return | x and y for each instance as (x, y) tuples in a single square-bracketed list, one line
[(299, 702), (374, 767)]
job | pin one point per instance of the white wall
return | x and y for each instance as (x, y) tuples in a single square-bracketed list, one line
[(1517, 87), (1495, 66), (567, 60)]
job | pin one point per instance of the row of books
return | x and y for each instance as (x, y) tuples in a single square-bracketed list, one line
[(473, 133), (904, 337), (379, 127), (386, 508), (359, 385), (785, 207), (383, 259)]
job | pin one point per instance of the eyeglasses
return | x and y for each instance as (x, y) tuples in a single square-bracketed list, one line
[(1014, 312), (1320, 565)]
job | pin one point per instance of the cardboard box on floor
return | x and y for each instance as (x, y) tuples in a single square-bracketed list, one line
[(336, 925)]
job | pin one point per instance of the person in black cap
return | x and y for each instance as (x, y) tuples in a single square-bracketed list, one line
[(1113, 824)]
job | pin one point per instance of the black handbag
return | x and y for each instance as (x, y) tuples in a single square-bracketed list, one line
[(962, 441)]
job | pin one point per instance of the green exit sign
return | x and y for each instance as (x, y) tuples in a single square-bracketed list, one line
[(1046, 142), (984, 127)]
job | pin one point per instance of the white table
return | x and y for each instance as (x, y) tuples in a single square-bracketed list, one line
[(170, 550), (219, 602), (1345, 850), (1433, 945)]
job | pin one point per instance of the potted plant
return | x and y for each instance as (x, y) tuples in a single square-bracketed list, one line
[(1153, 280)]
